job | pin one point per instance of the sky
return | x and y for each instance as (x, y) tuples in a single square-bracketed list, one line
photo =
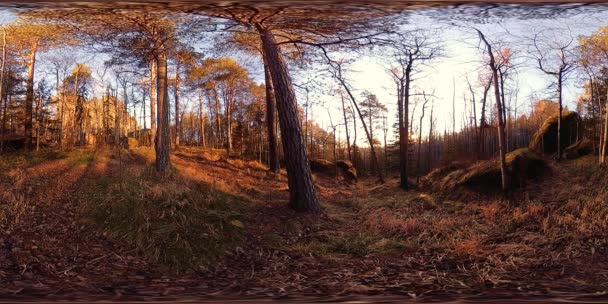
[(462, 58)]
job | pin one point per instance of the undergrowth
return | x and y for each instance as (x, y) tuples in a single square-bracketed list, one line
[(17, 171), (27, 159), (178, 223)]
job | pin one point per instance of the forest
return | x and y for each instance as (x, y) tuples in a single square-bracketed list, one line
[(369, 152)]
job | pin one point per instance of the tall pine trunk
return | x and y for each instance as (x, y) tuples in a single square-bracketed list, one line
[(153, 92), (605, 135), (178, 128), (273, 150), (430, 141), (29, 95), (302, 192), (162, 142), (200, 117), (228, 101), (2, 98)]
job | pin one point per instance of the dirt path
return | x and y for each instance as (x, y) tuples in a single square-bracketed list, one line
[(49, 250)]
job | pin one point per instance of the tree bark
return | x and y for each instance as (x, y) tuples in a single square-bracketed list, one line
[(228, 105), (153, 80), (2, 69), (29, 95), (559, 120), (178, 128), (350, 156), (504, 108), (116, 122), (430, 139), (482, 121), (218, 119), (420, 143), (501, 123), (162, 141), (404, 138), (302, 192), (78, 108), (200, 117), (605, 135), (273, 150), (38, 119), (403, 135)]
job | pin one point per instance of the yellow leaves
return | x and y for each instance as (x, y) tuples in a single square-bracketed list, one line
[(223, 69), (504, 56), (594, 48), (81, 70), (248, 41), (24, 36), (237, 223)]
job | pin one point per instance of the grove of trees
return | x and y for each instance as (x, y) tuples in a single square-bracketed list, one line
[(156, 85)]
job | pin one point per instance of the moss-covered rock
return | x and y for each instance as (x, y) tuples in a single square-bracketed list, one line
[(322, 166), (544, 140), (523, 166), (348, 170), (342, 167), (580, 148)]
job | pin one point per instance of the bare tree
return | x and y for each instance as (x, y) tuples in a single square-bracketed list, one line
[(426, 98), (336, 71), (407, 54), (501, 123), (348, 146), (483, 123), (555, 58)]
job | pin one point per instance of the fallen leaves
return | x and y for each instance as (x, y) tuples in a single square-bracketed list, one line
[(52, 252)]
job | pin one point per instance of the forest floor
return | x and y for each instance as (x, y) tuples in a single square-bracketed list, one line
[(97, 225)]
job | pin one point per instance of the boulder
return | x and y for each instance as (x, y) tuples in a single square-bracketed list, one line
[(345, 168), (523, 166), (544, 140), (580, 148), (321, 166), (348, 170)]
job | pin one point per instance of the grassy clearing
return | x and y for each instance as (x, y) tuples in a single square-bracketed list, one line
[(20, 175), (27, 159), (33, 158), (173, 221)]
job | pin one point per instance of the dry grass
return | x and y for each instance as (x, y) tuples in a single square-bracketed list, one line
[(22, 174), (556, 224), (211, 209), (172, 220)]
